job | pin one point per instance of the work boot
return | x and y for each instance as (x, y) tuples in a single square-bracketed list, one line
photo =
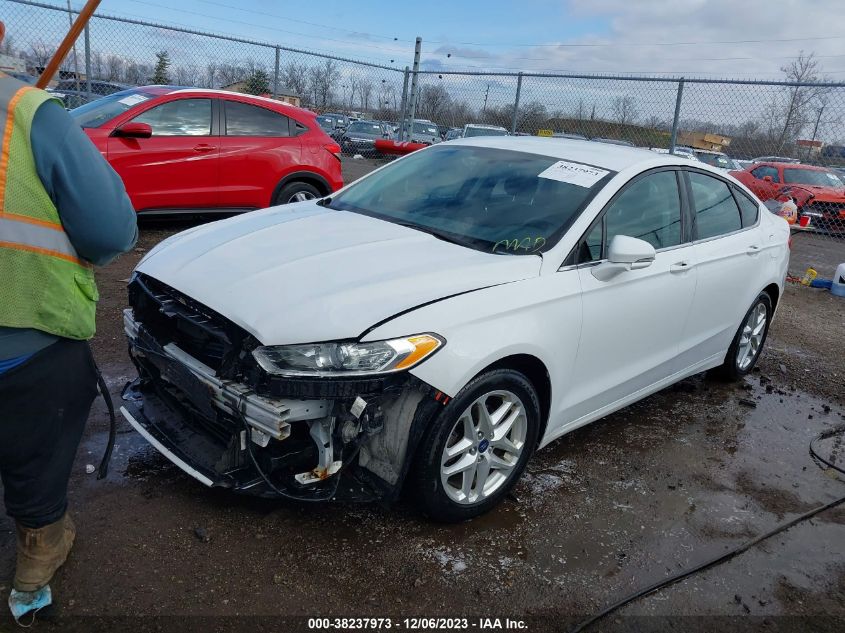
[(41, 552)]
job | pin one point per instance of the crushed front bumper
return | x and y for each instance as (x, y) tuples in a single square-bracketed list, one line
[(224, 434)]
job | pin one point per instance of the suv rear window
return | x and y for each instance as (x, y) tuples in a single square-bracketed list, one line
[(243, 119)]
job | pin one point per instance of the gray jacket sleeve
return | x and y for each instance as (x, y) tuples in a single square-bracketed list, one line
[(93, 206)]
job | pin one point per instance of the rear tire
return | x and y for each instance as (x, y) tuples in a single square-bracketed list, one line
[(477, 447), (748, 342), (296, 192)]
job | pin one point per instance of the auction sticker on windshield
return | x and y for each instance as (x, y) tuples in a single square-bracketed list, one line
[(574, 173), (133, 100)]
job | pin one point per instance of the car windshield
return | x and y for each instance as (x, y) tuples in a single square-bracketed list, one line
[(425, 128), (97, 112), (485, 131), (365, 128), (816, 177), (493, 200), (716, 160)]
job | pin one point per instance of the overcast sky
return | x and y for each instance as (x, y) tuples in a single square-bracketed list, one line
[(730, 38)]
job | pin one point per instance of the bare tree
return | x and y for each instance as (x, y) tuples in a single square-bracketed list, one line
[(295, 77), (187, 76), (228, 74), (796, 108), (210, 74), (39, 53), (322, 80), (365, 89), (98, 65), (7, 46), (114, 68), (624, 110), (434, 101)]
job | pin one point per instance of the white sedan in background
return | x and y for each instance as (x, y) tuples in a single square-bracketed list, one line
[(434, 323)]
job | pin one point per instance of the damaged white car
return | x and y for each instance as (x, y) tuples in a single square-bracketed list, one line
[(433, 324)]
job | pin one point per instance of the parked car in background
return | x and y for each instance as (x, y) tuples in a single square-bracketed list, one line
[(361, 136), (453, 133), (437, 321), (742, 164), (612, 141), (98, 87), (423, 132), (818, 192), (193, 150), (24, 77), (73, 99), (716, 159), (570, 135), (479, 129), (774, 159)]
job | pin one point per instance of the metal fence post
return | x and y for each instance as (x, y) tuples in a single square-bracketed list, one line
[(404, 106), (516, 103), (677, 116), (87, 63), (413, 96), (276, 75)]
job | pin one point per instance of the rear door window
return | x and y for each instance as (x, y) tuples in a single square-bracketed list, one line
[(243, 119), (716, 212), (748, 209)]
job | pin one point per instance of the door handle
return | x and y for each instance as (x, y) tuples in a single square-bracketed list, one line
[(203, 147), (679, 267), (753, 250)]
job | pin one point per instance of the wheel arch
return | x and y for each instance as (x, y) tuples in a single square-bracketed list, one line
[(773, 290), (537, 373), (310, 177)]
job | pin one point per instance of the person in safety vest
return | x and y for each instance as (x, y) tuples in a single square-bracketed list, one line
[(62, 210)]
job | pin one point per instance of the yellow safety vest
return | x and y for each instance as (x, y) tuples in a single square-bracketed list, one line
[(44, 284)]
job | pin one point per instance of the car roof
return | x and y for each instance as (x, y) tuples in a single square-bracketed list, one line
[(281, 105), (606, 155)]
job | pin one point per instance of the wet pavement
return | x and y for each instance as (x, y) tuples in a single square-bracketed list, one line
[(655, 488)]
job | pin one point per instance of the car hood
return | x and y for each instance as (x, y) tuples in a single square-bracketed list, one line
[(302, 273), (821, 194)]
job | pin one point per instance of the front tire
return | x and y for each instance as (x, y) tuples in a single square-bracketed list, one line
[(477, 447), (748, 342)]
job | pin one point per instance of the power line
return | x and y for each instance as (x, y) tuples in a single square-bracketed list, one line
[(393, 51), (290, 19), (624, 44)]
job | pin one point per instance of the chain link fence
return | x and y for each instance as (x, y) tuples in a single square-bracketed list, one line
[(721, 122)]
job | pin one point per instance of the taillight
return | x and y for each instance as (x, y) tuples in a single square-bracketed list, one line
[(333, 148)]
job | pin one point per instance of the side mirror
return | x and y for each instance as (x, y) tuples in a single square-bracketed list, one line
[(624, 254), (767, 178), (134, 130)]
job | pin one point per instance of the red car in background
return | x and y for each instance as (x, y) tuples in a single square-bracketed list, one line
[(193, 150), (819, 193)]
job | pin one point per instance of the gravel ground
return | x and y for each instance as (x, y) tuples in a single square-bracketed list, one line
[(655, 488)]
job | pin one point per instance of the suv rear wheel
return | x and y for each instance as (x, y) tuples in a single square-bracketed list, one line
[(296, 192)]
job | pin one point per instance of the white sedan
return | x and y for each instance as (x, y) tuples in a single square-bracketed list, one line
[(433, 324)]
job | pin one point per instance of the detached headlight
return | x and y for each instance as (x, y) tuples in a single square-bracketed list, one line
[(347, 358)]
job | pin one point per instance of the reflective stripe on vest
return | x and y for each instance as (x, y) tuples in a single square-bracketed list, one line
[(20, 232)]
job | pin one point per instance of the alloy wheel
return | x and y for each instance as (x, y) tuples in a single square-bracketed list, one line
[(484, 447), (301, 196), (751, 337)]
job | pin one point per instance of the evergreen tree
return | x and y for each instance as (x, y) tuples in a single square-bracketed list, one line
[(160, 75), (257, 83)]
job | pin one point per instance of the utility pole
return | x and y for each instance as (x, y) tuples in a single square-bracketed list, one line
[(818, 120), (486, 94)]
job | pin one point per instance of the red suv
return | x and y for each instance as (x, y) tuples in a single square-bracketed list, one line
[(194, 150)]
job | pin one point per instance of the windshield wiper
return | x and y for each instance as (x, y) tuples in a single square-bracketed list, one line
[(440, 235)]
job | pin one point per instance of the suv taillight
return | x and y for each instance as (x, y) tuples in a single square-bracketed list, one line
[(333, 148)]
